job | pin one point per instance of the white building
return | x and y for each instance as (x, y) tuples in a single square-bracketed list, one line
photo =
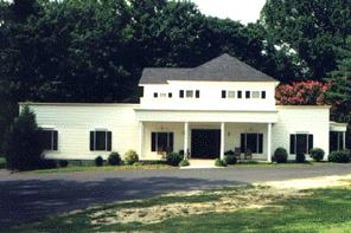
[(205, 111)]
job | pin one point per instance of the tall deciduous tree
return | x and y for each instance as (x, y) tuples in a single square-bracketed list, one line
[(313, 28)]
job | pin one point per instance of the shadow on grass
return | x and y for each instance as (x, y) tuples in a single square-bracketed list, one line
[(31, 200)]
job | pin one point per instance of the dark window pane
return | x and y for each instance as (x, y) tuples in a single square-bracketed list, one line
[(197, 94), (100, 140), (155, 94), (55, 139), (153, 141), (242, 143), (292, 143), (92, 134), (310, 143), (223, 94), (170, 142), (247, 94), (251, 142), (260, 143), (333, 141), (341, 141), (263, 94), (239, 94), (170, 95), (301, 143), (162, 139), (109, 141), (181, 93), (47, 139)]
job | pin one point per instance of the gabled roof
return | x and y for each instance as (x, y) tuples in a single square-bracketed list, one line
[(222, 68)]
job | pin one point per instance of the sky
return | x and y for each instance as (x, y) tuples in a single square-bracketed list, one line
[(245, 11)]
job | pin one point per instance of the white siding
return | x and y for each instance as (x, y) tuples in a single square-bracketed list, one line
[(210, 96), (75, 121), (301, 119)]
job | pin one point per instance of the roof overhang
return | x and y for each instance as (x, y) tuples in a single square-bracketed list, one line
[(337, 127), (152, 115)]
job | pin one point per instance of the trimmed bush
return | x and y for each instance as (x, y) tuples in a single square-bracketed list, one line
[(99, 161), (300, 157), (220, 163), (317, 154), (131, 157), (184, 163), (230, 159), (114, 159), (63, 163), (174, 158), (280, 155), (342, 156)]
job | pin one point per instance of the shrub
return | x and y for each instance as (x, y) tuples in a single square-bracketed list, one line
[(342, 156), (230, 159), (22, 144), (63, 163), (99, 161), (280, 155), (131, 157), (229, 152), (47, 164), (220, 163), (184, 163), (114, 159), (300, 157), (174, 158), (317, 154)]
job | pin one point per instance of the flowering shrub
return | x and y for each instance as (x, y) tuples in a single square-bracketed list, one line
[(302, 93)]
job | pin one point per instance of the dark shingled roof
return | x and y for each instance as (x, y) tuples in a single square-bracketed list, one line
[(222, 68)]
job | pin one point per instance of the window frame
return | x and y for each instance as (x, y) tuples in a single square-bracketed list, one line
[(294, 141), (155, 147), (259, 142), (107, 140), (53, 139)]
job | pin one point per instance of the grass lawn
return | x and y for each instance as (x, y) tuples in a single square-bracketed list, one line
[(243, 209), (103, 168)]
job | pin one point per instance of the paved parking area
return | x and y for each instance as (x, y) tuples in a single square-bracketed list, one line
[(26, 197)]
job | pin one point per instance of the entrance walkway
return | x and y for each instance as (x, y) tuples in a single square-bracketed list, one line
[(200, 163)]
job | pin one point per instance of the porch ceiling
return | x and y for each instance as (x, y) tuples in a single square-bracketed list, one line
[(151, 115)]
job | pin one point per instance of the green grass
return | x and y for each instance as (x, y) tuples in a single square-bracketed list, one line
[(321, 210), (95, 168)]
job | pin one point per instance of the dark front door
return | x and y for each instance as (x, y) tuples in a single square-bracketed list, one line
[(205, 143)]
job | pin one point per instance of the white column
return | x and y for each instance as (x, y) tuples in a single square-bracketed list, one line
[(186, 137), (344, 140), (269, 142), (222, 140), (141, 138)]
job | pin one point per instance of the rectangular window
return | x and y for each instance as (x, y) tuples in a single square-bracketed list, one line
[(162, 141), (189, 94), (263, 94), (181, 94), (155, 95), (169, 94), (100, 140), (252, 142), (163, 95), (247, 94), (49, 139), (255, 94), (231, 94), (301, 143), (336, 141), (224, 94), (197, 94), (240, 94)]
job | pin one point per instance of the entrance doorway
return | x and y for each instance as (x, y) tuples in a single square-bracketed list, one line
[(205, 143)]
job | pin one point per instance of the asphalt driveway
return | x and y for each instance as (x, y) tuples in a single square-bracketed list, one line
[(26, 197)]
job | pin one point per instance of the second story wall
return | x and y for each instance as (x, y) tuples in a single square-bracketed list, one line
[(208, 95)]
